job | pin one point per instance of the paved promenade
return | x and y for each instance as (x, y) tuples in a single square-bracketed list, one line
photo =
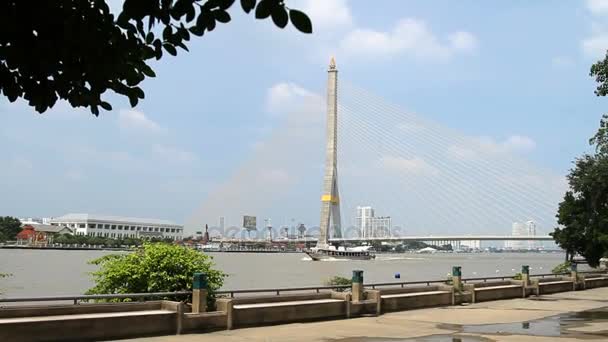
[(562, 317)]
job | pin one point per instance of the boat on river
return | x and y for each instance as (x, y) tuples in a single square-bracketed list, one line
[(356, 253)]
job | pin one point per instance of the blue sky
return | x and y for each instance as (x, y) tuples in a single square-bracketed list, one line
[(514, 73)]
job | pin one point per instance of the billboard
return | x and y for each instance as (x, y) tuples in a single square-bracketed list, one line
[(249, 222)]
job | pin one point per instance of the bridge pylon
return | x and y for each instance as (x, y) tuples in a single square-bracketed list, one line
[(330, 198)]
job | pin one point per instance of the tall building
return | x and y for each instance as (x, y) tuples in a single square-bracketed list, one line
[(330, 198), (364, 220), (119, 227), (222, 223), (522, 229), (531, 230), (371, 226), (381, 226)]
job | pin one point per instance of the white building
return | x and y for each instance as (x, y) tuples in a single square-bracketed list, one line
[(34, 220), (364, 220), (522, 229), (119, 227), (531, 230), (381, 226), (371, 226)]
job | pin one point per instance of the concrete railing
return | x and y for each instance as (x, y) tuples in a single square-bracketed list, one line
[(77, 298), (277, 291)]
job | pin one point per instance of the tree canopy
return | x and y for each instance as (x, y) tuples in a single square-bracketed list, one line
[(76, 50), (9, 228), (583, 214), (155, 267)]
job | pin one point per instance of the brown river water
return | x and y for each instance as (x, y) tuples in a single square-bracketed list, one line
[(55, 272)]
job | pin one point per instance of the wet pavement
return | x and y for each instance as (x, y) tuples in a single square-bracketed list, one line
[(562, 325), (562, 317)]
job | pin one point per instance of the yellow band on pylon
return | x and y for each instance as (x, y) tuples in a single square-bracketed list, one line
[(330, 198)]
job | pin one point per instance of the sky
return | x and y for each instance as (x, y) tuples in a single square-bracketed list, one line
[(238, 118)]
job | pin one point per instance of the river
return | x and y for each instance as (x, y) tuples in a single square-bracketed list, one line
[(55, 272)]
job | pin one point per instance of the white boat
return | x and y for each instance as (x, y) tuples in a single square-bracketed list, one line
[(329, 253)]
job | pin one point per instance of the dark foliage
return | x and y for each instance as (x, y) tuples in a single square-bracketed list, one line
[(76, 50)]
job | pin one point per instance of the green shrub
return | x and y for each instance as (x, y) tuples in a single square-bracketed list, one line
[(518, 276), (155, 267), (338, 281), (562, 268)]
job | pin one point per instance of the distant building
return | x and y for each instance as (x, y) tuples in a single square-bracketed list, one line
[(38, 234), (364, 220), (222, 223), (531, 230), (34, 220), (371, 226), (119, 227), (381, 226), (522, 229)]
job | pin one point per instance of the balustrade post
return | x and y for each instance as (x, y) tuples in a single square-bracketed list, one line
[(357, 286), (574, 275), (199, 293), (457, 277)]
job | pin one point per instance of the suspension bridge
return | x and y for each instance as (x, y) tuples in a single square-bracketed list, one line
[(426, 178)]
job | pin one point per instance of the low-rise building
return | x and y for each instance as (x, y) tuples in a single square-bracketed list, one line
[(40, 234), (119, 227)]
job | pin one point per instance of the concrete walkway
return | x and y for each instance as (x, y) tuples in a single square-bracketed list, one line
[(530, 316)]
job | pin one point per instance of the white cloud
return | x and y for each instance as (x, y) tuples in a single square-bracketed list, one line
[(328, 15), (409, 37), (597, 7), (281, 96), (415, 165), (136, 120), (519, 143), (595, 46), (295, 102), (463, 41), (173, 154), (485, 145)]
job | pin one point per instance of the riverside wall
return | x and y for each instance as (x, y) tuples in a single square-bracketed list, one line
[(128, 320)]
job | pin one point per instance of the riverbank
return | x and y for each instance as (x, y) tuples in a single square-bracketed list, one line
[(564, 315), (65, 248)]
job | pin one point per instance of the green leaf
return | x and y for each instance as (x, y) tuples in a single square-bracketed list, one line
[(197, 31), (225, 4), (167, 32), (247, 5), (262, 11), (149, 37), (105, 105), (221, 16), (279, 16), (146, 70), (170, 49), (301, 21)]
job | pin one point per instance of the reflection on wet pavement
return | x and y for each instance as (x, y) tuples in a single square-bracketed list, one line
[(549, 326), (553, 326)]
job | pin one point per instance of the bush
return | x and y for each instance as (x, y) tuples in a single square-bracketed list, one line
[(518, 276), (155, 267), (562, 268), (338, 281)]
